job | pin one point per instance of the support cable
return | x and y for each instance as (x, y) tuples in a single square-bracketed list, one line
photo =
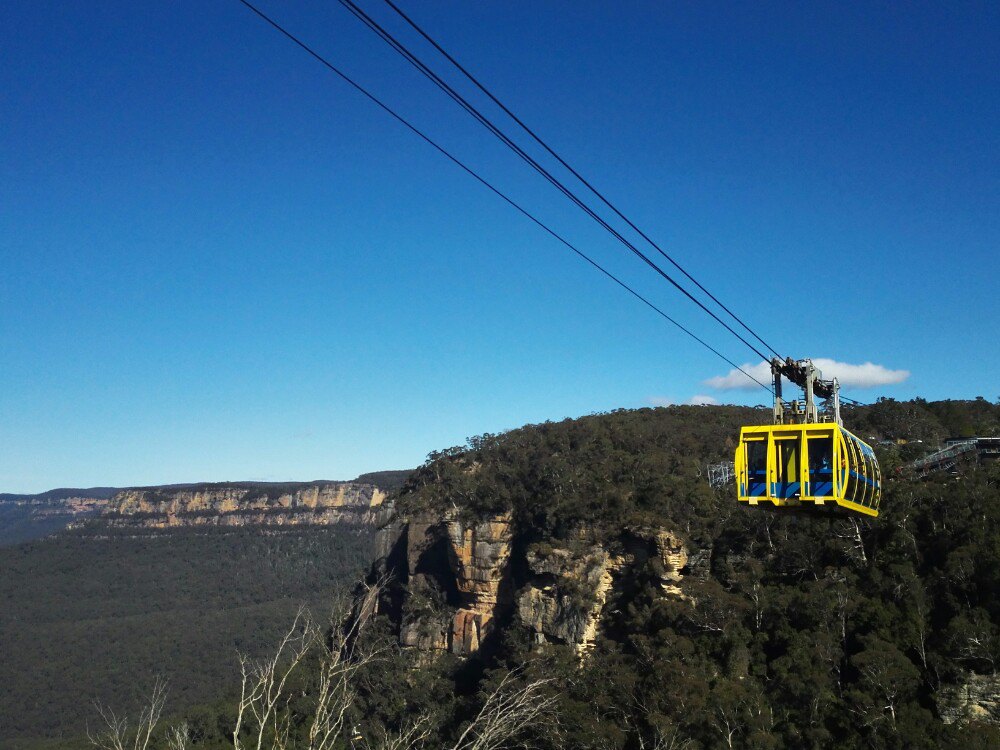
[(468, 170), (538, 139), (489, 125)]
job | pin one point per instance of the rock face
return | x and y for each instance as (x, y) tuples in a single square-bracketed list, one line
[(977, 699), (479, 555), (456, 583), (317, 503), (565, 597), (456, 576), (73, 506), (673, 555)]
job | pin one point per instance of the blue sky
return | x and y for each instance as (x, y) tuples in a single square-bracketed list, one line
[(220, 263)]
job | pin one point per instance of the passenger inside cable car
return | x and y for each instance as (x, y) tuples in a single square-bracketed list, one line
[(757, 468), (820, 450)]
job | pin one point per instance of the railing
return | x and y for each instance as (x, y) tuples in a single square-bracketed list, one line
[(953, 451), (948, 458)]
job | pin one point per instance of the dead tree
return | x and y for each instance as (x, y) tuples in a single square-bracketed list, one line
[(509, 711), (263, 719), (118, 734)]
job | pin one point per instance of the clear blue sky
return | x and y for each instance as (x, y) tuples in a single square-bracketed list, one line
[(218, 262)]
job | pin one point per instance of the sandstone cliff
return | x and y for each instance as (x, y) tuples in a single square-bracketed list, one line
[(456, 582), (231, 504), (976, 699)]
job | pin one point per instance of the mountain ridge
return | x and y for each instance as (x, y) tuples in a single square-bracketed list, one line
[(26, 517)]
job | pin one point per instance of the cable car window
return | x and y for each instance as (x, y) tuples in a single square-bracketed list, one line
[(873, 477), (821, 466), (868, 473), (864, 475), (851, 490), (843, 457), (788, 454), (756, 468)]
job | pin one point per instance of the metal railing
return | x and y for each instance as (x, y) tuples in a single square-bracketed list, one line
[(948, 458)]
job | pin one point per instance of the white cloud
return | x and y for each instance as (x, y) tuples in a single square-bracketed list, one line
[(736, 380), (702, 400), (866, 375)]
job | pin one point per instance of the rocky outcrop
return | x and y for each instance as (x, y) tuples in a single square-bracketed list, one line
[(673, 557), (74, 506), (317, 503), (479, 554), (458, 582), (456, 576), (976, 699), (564, 600)]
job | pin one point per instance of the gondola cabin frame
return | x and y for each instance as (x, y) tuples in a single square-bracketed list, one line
[(818, 463)]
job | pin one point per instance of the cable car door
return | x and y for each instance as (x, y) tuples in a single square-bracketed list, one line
[(787, 472)]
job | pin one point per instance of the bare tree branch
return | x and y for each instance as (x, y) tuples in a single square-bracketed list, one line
[(262, 712), (179, 737), (116, 735), (507, 713)]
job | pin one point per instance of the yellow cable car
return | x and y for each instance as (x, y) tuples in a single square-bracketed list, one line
[(803, 459)]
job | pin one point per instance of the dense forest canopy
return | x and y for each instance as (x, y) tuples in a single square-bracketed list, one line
[(85, 618)]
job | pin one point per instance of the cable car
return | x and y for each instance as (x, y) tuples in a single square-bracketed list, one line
[(805, 456)]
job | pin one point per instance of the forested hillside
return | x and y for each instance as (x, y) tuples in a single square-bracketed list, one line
[(779, 630), (85, 619), (21, 522)]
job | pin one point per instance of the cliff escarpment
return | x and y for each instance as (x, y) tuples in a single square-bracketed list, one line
[(546, 530), (236, 504), (458, 581)]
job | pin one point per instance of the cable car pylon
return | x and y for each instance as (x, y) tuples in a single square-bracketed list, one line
[(806, 456)]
